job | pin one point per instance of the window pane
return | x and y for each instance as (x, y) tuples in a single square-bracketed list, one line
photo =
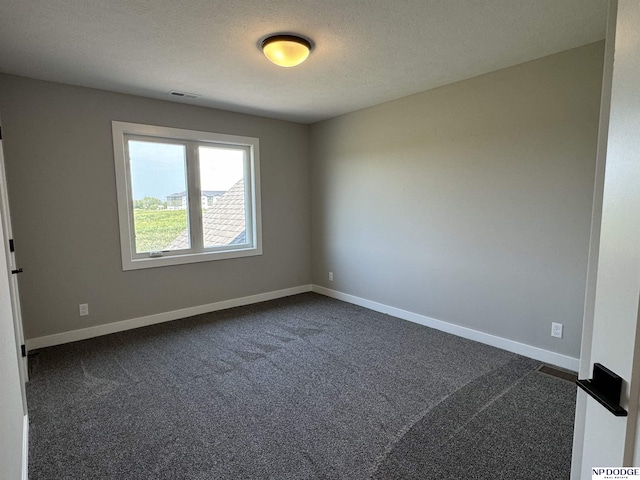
[(160, 203), (224, 220)]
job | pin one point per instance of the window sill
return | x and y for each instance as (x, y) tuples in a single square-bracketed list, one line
[(168, 260)]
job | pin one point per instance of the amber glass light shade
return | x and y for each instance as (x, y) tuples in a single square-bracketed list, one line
[(286, 50)]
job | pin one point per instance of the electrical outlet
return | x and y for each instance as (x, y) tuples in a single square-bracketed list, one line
[(331, 276), (556, 330), (84, 309)]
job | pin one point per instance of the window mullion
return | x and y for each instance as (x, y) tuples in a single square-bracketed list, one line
[(194, 195)]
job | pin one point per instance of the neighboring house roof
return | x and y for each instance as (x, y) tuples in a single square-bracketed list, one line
[(179, 194), (206, 193), (224, 222)]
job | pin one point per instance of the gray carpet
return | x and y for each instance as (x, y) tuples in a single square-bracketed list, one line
[(304, 387)]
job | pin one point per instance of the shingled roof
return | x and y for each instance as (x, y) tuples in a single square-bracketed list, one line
[(224, 223)]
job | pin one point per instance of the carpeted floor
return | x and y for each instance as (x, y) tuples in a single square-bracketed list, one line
[(305, 387)]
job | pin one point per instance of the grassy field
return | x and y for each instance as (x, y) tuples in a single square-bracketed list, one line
[(155, 229)]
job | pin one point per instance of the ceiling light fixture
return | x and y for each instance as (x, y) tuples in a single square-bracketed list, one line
[(286, 50)]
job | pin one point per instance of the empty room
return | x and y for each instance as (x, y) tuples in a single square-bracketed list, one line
[(319, 240)]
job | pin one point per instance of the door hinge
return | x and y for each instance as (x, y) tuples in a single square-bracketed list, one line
[(23, 350), (12, 247), (17, 270)]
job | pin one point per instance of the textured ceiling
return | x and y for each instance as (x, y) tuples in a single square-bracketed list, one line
[(366, 51)]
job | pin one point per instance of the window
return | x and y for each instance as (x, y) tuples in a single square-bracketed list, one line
[(185, 196)]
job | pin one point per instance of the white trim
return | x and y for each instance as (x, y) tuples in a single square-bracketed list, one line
[(25, 448), (594, 241), (482, 337), (98, 330), (486, 338)]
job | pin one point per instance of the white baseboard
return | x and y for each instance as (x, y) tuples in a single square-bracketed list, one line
[(536, 353), (98, 330), (25, 448), (546, 356)]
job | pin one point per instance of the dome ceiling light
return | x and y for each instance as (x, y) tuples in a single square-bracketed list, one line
[(286, 50)]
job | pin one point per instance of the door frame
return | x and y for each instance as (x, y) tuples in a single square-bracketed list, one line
[(13, 281), (611, 315)]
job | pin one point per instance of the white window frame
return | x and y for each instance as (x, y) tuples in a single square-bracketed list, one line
[(191, 139)]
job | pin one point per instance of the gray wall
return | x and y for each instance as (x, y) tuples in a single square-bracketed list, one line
[(468, 203), (59, 159)]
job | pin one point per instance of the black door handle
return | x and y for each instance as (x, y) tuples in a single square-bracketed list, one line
[(17, 270)]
